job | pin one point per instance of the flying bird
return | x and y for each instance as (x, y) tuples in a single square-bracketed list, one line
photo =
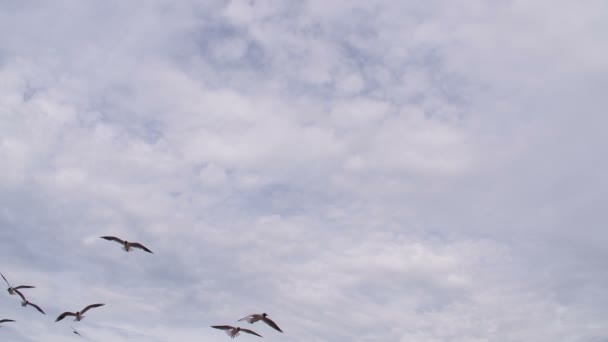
[(26, 302), (75, 331), (6, 320), (261, 317), (11, 290), (127, 245), (234, 331), (78, 314)]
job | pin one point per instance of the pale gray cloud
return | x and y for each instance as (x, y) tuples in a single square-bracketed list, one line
[(361, 171)]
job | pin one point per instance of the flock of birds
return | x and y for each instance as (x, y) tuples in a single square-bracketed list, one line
[(79, 315)]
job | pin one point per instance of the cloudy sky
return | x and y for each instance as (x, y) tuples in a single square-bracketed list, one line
[(360, 170)]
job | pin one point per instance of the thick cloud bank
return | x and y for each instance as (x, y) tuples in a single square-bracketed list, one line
[(360, 170)]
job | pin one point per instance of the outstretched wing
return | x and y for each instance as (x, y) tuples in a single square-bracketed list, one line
[(222, 327), (7, 320), (250, 332), (90, 307), (21, 295), (113, 238), (24, 287), (139, 245), (271, 323), (37, 307), (249, 318), (63, 315), (9, 285)]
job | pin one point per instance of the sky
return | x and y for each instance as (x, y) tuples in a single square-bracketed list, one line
[(359, 170)]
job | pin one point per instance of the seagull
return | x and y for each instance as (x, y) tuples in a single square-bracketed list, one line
[(261, 317), (6, 320), (11, 290), (78, 314), (75, 331), (127, 245), (234, 331), (26, 302)]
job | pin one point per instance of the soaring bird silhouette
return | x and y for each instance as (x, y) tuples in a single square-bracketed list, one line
[(26, 302), (234, 331), (261, 317), (75, 331), (78, 314), (11, 290), (126, 245)]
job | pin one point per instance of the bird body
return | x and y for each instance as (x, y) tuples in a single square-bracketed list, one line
[(13, 290), (79, 315), (75, 332), (261, 317), (126, 245), (25, 302), (234, 331)]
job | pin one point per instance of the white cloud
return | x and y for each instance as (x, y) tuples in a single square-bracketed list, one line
[(213, 175), (381, 170), (351, 84)]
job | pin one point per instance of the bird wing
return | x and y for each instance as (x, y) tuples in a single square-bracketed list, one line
[(90, 307), (7, 320), (24, 287), (271, 323), (21, 295), (112, 238), (63, 315), (9, 285), (222, 327), (250, 332), (37, 307), (139, 245), (248, 318)]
